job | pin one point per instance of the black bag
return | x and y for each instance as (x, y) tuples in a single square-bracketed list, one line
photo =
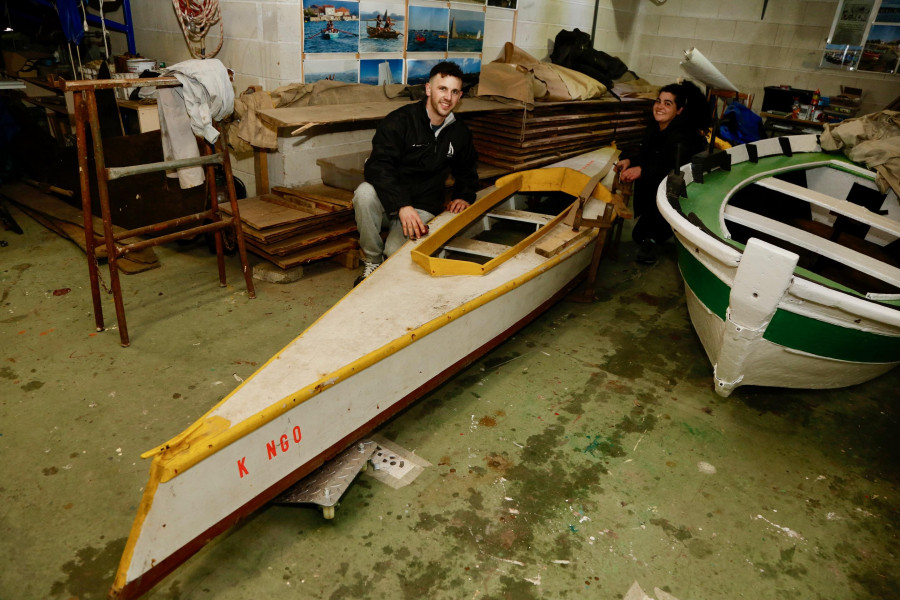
[(573, 49)]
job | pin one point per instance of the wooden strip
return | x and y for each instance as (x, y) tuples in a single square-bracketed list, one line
[(320, 192), (260, 212), (318, 252), (828, 249), (842, 207), (476, 247), (305, 239), (559, 239), (521, 215)]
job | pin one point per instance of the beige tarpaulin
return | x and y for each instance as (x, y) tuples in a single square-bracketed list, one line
[(249, 130), (519, 76), (873, 140)]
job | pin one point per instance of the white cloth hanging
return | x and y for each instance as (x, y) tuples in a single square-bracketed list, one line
[(178, 139), (208, 94)]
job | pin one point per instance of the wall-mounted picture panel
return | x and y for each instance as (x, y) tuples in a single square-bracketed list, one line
[(882, 49), (417, 70), (466, 31), (382, 27), (332, 27), (512, 4), (428, 29), (469, 66), (380, 71), (346, 70)]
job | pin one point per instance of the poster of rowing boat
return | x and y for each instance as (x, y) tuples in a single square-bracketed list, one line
[(382, 27), (428, 29), (466, 30), (330, 28)]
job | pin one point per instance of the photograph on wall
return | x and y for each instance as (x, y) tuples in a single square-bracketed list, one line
[(844, 45), (417, 70), (333, 70), (479, 2), (882, 49), (466, 31), (888, 12), (428, 29), (503, 3), (332, 27), (382, 26), (381, 71), (469, 66)]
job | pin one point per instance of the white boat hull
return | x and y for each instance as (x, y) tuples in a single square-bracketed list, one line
[(398, 335), (761, 322)]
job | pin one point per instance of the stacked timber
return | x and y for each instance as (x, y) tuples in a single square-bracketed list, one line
[(525, 139), (294, 226)]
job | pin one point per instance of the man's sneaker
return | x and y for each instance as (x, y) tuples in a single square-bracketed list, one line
[(368, 269), (646, 254)]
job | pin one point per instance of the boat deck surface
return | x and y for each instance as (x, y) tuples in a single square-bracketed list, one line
[(398, 298)]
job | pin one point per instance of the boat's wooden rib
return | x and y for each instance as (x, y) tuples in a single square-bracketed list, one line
[(475, 247), (841, 207), (523, 216), (814, 243)]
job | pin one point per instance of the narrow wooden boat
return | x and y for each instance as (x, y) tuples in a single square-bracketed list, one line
[(385, 34), (791, 266), (394, 337), (331, 35)]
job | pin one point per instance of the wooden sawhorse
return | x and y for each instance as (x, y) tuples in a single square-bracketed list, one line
[(86, 115)]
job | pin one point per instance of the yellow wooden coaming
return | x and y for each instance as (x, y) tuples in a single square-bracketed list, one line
[(557, 179)]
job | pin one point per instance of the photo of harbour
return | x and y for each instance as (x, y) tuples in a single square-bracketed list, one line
[(382, 27), (428, 29), (466, 31), (329, 28), (333, 70)]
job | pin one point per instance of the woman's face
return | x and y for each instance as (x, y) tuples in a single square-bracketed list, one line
[(664, 110)]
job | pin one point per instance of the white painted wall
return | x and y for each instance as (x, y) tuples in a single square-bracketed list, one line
[(784, 48), (262, 46)]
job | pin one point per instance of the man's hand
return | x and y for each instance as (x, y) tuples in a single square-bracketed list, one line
[(413, 227), (457, 206)]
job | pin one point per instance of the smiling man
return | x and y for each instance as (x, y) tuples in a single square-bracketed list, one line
[(413, 150)]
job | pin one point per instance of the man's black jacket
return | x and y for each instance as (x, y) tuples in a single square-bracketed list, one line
[(409, 165)]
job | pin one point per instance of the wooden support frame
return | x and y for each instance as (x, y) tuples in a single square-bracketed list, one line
[(86, 115)]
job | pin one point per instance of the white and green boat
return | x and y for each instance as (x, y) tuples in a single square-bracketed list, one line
[(791, 264)]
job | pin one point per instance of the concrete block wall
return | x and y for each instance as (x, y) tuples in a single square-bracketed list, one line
[(784, 48), (262, 46)]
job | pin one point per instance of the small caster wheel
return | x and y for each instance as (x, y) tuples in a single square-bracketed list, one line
[(365, 467), (328, 512)]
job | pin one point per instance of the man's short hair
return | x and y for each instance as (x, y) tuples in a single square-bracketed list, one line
[(446, 69)]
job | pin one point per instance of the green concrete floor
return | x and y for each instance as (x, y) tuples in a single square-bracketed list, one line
[(568, 463)]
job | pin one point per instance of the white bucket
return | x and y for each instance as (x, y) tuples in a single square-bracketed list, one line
[(139, 65)]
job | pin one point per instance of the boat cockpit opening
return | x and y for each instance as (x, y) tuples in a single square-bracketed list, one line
[(839, 224), (509, 222)]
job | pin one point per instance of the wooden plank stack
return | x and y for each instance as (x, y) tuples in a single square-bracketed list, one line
[(525, 139), (294, 226)]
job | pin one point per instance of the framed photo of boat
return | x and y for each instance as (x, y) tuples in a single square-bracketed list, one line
[(429, 27), (466, 30), (382, 26), (330, 27)]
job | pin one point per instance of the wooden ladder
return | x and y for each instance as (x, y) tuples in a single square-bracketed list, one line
[(207, 221)]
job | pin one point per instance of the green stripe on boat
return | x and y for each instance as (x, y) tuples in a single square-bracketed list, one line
[(789, 329)]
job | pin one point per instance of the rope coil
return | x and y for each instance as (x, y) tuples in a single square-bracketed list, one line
[(196, 17)]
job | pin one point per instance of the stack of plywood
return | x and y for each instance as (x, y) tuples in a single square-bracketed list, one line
[(293, 226), (524, 139)]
